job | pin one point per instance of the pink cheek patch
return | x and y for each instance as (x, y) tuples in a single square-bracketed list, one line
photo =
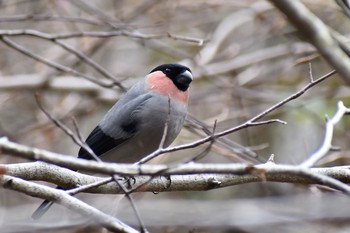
[(161, 84)]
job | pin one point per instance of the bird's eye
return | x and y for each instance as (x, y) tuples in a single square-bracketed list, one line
[(167, 70)]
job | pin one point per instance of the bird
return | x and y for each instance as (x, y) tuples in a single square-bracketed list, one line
[(134, 126)]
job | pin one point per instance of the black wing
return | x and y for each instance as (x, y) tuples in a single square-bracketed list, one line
[(100, 143), (127, 117)]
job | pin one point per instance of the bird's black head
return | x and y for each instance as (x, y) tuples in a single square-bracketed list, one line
[(179, 74)]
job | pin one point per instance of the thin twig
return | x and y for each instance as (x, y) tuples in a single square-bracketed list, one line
[(90, 62), (207, 149), (294, 96), (45, 18), (166, 125), (310, 72), (102, 15), (200, 42), (100, 34), (244, 152), (76, 128), (83, 188), (65, 129)]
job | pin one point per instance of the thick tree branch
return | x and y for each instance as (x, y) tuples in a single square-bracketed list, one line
[(204, 177), (317, 33)]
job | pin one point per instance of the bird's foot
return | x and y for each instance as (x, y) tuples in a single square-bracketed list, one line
[(129, 181)]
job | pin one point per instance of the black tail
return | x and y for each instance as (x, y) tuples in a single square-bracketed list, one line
[(42, 209), (45, 206)]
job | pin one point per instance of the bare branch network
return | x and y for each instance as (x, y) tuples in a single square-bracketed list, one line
[(236, 62), (56, 39), (183, 177), (186, 177)]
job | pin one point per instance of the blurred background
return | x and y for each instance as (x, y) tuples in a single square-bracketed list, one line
[(245, 57)]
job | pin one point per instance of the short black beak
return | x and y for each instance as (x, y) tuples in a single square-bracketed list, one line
[(184, 79)]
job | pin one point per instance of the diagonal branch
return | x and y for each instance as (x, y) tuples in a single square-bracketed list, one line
[(52, 64), (249, 123), (317, 33), (78, 141), (75, 138), (61, 197)]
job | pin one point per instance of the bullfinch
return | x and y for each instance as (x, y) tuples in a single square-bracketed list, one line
[(134, 126)]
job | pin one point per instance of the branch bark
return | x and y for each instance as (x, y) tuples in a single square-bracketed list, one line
[(209, 176)]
